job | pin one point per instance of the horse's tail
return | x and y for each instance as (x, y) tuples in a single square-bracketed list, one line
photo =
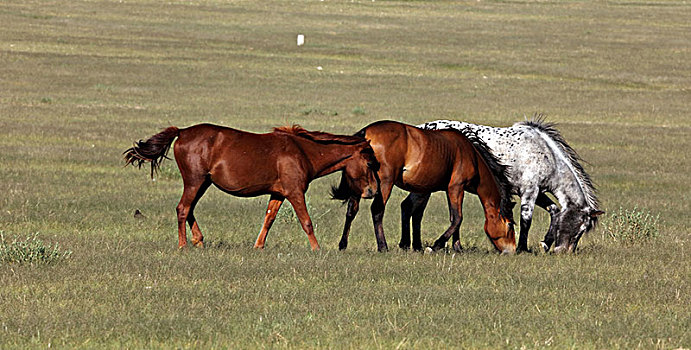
[(499, 171), (153, 150), (342, 192)]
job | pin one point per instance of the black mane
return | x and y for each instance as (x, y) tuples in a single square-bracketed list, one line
[(499, 170)]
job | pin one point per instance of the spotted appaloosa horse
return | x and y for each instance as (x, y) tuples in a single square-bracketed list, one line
[(281, 164), (425, 161), (539, 161)]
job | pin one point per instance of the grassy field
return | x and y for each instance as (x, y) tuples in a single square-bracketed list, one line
[(81, 80)]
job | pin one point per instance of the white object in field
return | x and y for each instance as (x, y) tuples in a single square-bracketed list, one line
[(301, 39)]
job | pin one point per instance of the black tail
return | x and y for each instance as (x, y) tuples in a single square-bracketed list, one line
[(343, 191), (153, 150)]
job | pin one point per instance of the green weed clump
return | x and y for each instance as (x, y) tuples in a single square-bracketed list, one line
[(632, 226), (30, 250), (359, 111)]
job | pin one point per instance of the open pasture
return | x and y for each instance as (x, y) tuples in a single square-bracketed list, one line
[(81, 80)]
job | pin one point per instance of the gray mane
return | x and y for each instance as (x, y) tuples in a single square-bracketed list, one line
[(538, 122)]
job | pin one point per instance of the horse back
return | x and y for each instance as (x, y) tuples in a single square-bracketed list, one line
[(238, 162), (414, 159), (446, 152)]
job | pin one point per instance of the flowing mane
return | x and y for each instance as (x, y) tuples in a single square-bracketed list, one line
[(549, 129), (499, 171), (319, 136)]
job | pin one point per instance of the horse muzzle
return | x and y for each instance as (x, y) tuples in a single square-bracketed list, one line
[(564, 249), (369, 193)]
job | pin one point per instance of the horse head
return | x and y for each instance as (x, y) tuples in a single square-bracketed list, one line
[(359, 177), (501, 233), (571, 224)]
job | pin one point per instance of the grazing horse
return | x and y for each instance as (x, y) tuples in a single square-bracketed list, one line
[(281, 164), (425, 161), (539, 161)]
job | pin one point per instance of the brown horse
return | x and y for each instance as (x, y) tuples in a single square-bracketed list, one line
[(281, 164), (424, 161)]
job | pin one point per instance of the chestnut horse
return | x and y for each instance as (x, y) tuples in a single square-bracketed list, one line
[(424, 161), (281, 164)]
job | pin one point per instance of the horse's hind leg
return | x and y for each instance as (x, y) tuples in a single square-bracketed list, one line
[(418, 212), (353, 208), (191, 193), (274, 205), (546, 203)]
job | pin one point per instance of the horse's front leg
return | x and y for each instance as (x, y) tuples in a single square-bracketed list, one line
[(298, 203), (455, 200), (377, 209), (456, 237), (527, 207), (271, 212), (546, 203), (353, 207), (406, 213), (416, 209)]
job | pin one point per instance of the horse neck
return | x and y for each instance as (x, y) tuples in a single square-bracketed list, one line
[(327, 158), (570, 192), (488, 189), (571, 189)]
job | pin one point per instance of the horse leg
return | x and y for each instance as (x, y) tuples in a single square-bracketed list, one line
[(419, 203), (546, 203), (527, 207), (298, 203), (406, 213), (197, 237), (377, 209), (353, 207), (193, 190), (455, 200), (456, 237), (274, 205)]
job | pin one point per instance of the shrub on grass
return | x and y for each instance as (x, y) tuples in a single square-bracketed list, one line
[(359, 111), (30, 250), (631, 226)]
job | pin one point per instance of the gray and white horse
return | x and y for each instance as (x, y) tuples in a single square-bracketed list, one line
[(539, 161)]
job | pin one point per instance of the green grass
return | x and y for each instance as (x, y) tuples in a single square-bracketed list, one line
[(29, 250), (82, 80)]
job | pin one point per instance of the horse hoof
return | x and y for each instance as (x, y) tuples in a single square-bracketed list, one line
[(457, 247), (544, 246)]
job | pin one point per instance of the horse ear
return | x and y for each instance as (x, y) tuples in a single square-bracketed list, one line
[(596, 213)]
